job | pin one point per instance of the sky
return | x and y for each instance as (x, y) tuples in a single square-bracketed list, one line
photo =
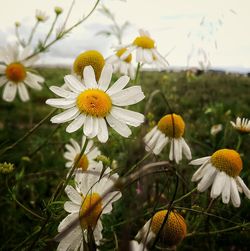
[(208, 33)]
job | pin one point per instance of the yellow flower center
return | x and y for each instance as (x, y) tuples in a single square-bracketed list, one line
[(144, 42), (93, 58), (90, 211), (94, 102), (15, 72), (83, 163), (174, 230), (228, 161), (172, 125), (121, 51)]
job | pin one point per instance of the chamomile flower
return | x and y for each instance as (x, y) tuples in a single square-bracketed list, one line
[(41, 16), (94, 105), (241, 125), (146, 51), (86, 206), (93, 58), (15, 73), (135, 246), (169, 129), (87, 160), (122, 66), (172, 233), (221, 171)]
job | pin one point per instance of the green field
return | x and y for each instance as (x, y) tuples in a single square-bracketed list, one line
[(39, 166)]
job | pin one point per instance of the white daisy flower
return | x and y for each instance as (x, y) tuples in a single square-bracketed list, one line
[(221, 171), (15, 74), (135, 246), (169, 129), (241, 125), (41, 16), (87, 161), (122, 66), (146, 51), (94, 104), (87, 195), (173, 232)]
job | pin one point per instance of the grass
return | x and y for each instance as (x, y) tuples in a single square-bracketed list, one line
[(203, 101)]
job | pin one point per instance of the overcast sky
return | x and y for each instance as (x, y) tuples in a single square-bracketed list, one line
[(188, 32)]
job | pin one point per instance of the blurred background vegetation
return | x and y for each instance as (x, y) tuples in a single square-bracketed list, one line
[(202, 100)]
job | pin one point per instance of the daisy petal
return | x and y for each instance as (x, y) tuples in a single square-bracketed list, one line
[(3, 80), (88, 126), (243, 186), (103, 131), (76, 123), (9, 92), (105, 77), (74, 84), (31, 82), (89, 77), (23, 93), (73, 195), (65, 116), (226, 190), (127, 116), (61, 102), (118, 126), (71, 207), (118, 85), (199, 161), (235, 197), (218, 184), (207, 179), (59, 91)]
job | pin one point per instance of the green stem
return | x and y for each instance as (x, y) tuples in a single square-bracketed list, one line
[(33, 32), (63, 33), (137, 73), (239, 143), (26, 135), (50, 31)]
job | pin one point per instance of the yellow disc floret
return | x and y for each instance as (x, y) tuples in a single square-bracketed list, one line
[(144, 42), (121, 51), (90, 211), (83, 163), (174, 230), (15, 72), (94, 102), (172, 125), (93, 58), (228, 161)]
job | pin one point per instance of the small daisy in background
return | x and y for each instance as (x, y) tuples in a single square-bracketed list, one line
[(93, 58), (41, 16), (122, 66), (16, 75), (172, 233), (87, 160), (221, 171), (169, 129), (215, 129), (93, 105), (241, 125), (86, 206), (135, 246), (146, 51)]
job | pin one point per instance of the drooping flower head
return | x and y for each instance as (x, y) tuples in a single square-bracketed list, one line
[(172, 233), (15, 73), (88, 202), (94, 104), (41, 16), (93, 58), (221, 171), (146, 51), (87, 160), (169, 129), (122, 66), (241, 125)]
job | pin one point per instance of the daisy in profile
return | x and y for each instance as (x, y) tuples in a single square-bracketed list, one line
[(122, 66), (172, 233), (86, 207), (91, 57), (41, 16), (221, 171), (169, 129), (146, 51), (92, 105), (87, 161), (15, 74), (241, 125)]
